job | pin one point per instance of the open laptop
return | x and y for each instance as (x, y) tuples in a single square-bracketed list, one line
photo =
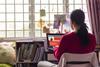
[(53, 40)]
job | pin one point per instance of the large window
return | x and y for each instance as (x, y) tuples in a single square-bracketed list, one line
[(51, 8), (14, 18), (54, 7), (23, 18)]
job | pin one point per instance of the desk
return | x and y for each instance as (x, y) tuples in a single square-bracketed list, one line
[(48, 52), (48, 56)]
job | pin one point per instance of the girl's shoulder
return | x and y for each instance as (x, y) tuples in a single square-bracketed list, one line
[(69, 35)]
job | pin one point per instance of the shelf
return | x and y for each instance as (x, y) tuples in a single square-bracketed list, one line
[(29, 53)]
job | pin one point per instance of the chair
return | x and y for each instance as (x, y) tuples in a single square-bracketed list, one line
[(78, 60)]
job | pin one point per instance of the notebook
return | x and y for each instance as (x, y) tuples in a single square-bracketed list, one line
[(53, 40)]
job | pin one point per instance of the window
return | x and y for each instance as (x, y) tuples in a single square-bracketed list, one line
[(54, 7), (14, 18), (24, 18), (51, 8)]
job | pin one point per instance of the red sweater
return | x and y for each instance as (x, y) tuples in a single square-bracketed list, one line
[(70, 43)]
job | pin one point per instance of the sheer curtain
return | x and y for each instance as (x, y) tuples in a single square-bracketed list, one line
[(94, 16)]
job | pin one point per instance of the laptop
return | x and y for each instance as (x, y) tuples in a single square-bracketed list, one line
[(53, 40)]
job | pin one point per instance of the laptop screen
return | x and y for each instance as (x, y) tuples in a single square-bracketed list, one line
[(53, 40)]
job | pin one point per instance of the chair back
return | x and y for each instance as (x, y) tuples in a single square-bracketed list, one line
[(78, 60)]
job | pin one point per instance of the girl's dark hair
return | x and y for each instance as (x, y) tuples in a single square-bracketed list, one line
[(78, 17)]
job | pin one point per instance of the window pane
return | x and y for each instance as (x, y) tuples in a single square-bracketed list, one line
[(2, 17), (52, 16), (60, 8), (2, 8), (19, 17), (10, 33), (53, 8), (78, 6), (53, 1), (2, 26), (47, 17), (26, 16), (44, 2), (10, 8), (60, 1), (71, 1), (2, 34), (37, 16), (38, 33), (71, 8), (78, 1), (19, 1), (37, 1), (45, 7), (26, 1), (26, 8), (43, 34), (19, 33), (2, 1), (86, 17), (19, 26), (26, 26), (26, 33), (84, 8), (84, 1), (18, 8), (37, 8), (10, 17), (10, 1), (10, 26)]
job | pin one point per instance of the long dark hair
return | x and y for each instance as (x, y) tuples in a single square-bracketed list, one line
[(78, 17)]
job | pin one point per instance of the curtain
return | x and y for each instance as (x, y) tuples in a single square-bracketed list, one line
[(94, 17)]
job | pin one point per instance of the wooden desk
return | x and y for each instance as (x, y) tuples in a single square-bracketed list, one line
[(46, 54), (53, 60)]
